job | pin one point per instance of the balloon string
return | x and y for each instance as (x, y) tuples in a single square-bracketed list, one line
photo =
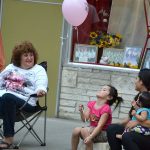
[(76, 28)]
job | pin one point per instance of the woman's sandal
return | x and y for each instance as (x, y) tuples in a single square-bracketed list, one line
[(5, 145)]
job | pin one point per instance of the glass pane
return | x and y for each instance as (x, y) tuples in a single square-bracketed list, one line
[(116, 26), (97, 20)]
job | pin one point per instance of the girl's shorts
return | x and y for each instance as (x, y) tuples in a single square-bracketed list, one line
[(101, 137)]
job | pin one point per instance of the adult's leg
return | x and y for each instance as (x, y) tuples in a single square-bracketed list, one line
[(75, 138), (135, 141), (9, 105), (114, 143)]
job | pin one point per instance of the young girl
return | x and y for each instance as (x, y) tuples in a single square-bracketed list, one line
[(100, 116), (141, 113)]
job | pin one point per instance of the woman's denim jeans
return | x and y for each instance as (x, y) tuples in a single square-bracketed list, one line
[(8, 108)]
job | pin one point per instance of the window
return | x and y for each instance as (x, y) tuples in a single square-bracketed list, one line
[(97, 20), (117, 32)]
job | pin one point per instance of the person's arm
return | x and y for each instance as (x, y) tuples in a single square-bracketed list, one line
[(131, 124), (5, 73), (84, 114), (125, 121), (134, 123), (145, 123), (140, 117), (100, 125), (41, 81)]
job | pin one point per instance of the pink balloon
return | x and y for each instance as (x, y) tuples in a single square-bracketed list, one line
[(75, 11)]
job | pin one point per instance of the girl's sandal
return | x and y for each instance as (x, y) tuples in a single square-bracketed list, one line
[(5, 145)]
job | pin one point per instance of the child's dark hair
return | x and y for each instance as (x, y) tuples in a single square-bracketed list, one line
[(144, 99), (115, 98)]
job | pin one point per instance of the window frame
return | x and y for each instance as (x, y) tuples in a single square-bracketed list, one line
[(66, 52)]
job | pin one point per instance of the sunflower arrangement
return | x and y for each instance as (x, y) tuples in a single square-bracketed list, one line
[(105, 39)]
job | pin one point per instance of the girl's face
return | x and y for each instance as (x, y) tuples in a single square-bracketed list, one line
[(27, 60), (104, 93), (138, 84)]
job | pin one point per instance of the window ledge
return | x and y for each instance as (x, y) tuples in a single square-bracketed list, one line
[(96, 66)]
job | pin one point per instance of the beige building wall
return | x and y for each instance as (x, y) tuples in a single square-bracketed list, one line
[(41, 24), (80, 85)]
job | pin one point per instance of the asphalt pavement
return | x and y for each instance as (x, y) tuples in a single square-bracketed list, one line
[(58, 135)]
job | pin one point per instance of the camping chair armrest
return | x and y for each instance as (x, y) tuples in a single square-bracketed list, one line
[(32, 95)]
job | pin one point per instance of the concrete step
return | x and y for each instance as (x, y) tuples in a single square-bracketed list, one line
[(96, 146)]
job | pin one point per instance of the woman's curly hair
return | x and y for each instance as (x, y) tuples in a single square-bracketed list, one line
[(20, 49)]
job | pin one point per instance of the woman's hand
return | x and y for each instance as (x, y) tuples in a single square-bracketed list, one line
[(134, 104), (41, 93), (145, 123), (131, 124)]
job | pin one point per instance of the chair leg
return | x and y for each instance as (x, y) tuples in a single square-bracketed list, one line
[(1, 131), (29, 124), (30, 129), (1, 134), (23, 118), (44, 140)]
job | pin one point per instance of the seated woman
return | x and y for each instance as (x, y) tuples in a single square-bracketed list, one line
[(140, 113), (18, 81), (131, 140)]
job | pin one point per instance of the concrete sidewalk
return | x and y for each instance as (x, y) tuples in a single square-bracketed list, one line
[(58, 135)]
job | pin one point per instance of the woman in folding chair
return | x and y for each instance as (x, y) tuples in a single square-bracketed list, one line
[(20, 79)]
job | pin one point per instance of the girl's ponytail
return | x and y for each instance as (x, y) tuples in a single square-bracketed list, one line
[(115, 98), (118, 101)]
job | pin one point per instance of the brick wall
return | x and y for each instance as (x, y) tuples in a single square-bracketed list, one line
[(79, 85)]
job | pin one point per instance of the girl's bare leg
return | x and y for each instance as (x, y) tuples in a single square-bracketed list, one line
[(85, 133), (89, 146), (75, 138)]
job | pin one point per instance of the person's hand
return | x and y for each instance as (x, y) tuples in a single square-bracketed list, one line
[(133, 113), (134, 104), (87, 139), (131, 124), (40, 93), (81, 108)]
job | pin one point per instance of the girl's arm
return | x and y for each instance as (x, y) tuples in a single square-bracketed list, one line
[(84, 114), (100, 125), (140, 117)]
